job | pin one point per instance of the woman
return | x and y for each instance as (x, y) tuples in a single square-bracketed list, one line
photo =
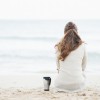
[(71, 60)]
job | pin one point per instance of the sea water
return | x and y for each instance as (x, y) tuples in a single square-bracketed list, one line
[(27, 46)]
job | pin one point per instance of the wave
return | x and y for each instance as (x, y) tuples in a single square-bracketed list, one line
[(27, 57), (91, 56), (29, 38)]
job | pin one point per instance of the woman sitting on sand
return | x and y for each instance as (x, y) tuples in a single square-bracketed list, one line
[(71, 60)]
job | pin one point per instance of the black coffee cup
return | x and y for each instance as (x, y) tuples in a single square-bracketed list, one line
[(47, 82)]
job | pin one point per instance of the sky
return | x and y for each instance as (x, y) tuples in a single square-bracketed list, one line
[(49, 9)]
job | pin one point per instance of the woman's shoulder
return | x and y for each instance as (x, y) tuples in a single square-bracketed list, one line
[(83, 45)]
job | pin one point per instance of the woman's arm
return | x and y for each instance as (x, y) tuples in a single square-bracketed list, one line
[(57, 61), (84, 60), (58, 65)]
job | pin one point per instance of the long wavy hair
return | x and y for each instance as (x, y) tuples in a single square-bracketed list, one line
[(69, 42)]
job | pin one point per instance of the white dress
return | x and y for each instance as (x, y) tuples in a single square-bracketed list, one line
[(71, 71)]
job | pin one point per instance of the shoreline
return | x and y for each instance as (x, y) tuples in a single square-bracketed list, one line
[(36, 79)]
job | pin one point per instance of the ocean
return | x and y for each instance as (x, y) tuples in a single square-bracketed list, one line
[(27, 46)]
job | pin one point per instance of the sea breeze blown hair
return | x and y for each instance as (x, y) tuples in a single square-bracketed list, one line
[(69, 42)]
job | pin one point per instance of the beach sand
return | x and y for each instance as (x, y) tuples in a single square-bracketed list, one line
[(30, 87)]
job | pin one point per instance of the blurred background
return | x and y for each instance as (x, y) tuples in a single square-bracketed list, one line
[(29, 29)]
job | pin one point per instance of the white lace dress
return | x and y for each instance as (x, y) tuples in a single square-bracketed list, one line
[(71, 71)]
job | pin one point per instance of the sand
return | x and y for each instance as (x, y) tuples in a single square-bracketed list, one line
[(30, 87)]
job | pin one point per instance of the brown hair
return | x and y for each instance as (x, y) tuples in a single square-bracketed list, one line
[(69, 42)]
